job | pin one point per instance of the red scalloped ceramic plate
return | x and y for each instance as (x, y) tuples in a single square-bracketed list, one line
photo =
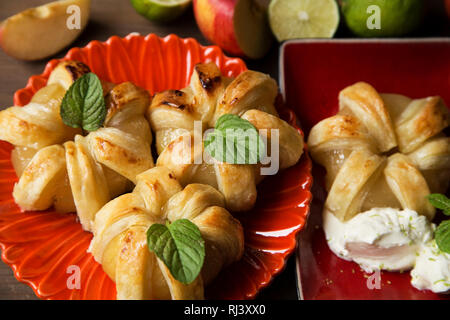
[(313, 73), (39, 246)]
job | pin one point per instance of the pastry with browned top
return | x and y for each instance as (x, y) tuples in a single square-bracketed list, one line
[(382, 150)]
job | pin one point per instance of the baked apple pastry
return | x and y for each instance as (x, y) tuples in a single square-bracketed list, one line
[(382, 151), (209, 96), (84, 173), (120, 236), (38, 124)]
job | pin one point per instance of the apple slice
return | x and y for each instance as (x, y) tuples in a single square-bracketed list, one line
[(240, 27), (40, 32)]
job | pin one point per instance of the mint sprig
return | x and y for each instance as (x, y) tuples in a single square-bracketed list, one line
[(440, 201), (83, 105), (235, 141), (442, 233), (180, 246)]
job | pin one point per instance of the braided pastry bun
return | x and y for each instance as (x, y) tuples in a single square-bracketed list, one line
[(382, 150), (237, 182), (209, 96), (39, 124), (120, 242), (84, 174)]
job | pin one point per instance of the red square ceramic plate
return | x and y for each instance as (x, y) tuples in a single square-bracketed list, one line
[(312, 74)]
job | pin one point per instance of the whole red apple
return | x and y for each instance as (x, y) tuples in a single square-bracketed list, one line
[(240, 27)]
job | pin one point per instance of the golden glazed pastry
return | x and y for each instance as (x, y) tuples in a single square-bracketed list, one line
[(120, 241), (237, 182), (39, 124), (382, 150), (87, 172), (210, 95)]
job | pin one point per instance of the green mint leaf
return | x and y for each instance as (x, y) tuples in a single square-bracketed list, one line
[(180, 246), (442, 235), (83, 105), (234, 140), (440, 201)]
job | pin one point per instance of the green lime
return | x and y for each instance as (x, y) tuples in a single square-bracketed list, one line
[(161, 10), (290, 19), (382, 18)]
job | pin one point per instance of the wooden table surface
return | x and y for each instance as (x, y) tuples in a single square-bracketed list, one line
[(117, 17)]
